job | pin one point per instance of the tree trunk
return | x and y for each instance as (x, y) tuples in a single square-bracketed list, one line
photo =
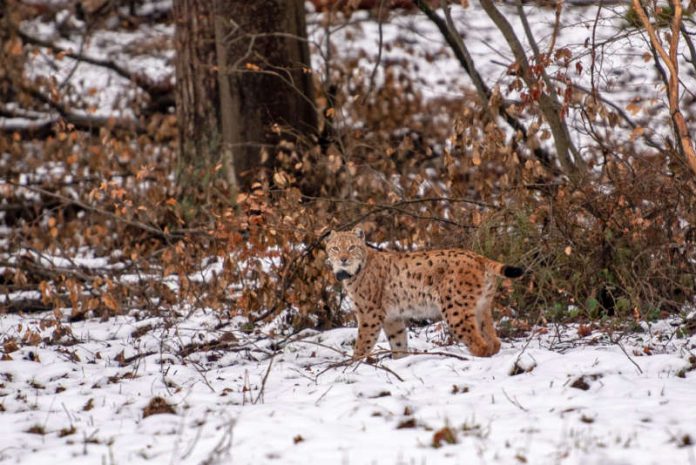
[(197, 99), (270, 78), (243, 84), (12, 55)]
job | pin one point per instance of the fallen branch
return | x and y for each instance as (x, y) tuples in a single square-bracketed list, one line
[(356, 363), (439, 354), (27, 306), (82, 121), (156, 90), (194, 347), (125, 361), (169, 237)]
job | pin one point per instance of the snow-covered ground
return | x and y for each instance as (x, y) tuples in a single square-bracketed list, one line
[(251, 399)]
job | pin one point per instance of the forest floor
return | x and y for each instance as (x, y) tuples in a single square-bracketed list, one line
[(183, 390)]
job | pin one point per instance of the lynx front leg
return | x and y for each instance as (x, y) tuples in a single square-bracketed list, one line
[(368, 331), (398, 339)]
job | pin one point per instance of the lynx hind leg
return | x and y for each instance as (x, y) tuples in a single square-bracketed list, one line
[(398, 338), (463, 324), (484, 317), (466, 330), (489, 333), (368, 331)]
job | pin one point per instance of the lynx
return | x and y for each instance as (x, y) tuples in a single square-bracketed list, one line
[(389, 288)]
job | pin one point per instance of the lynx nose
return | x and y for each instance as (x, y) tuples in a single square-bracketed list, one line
[(344, 260)]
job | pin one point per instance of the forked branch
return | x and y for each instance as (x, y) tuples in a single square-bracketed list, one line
[(454, 40), (549, 105)]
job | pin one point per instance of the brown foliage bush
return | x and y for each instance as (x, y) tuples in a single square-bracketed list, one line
[(618, 241)]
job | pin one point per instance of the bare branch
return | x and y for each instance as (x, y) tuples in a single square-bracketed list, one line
[(689, 45), (462, 54), (380, 46), (137, 224), (621, 112), (670, 60), (593, 52)]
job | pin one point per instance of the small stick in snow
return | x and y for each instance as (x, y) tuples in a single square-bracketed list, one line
[(316, 402), (349, 362), (626, 354), (263, 381), (440, 354), (224, 447), (514, 401)]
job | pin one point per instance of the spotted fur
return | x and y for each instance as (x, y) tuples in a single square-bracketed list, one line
[(389, 288)]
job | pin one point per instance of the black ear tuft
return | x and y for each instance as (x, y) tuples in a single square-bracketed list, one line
[(512, 271)]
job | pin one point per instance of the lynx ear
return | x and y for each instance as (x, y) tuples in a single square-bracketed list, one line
[(330, 234), (358, 231)]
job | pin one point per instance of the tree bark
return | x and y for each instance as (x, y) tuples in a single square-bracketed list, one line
[(227, 110), (197, 99), (270, 78), (244, 84)]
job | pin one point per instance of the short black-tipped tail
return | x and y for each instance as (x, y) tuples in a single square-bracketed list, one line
[(512, 271)]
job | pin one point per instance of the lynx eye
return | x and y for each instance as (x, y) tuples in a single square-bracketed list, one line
[(333, 249), (352, 248)]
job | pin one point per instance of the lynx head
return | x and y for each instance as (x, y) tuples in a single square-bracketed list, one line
[(347, 252)]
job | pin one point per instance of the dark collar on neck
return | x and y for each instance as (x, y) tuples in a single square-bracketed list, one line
[(344, 275)]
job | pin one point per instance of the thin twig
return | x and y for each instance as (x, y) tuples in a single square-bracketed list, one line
[(388, 370), (352, 362), (514, 401), (263, 381), (316, 402), (440, 354), (618, 343), (223, 447), (325, 346)]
